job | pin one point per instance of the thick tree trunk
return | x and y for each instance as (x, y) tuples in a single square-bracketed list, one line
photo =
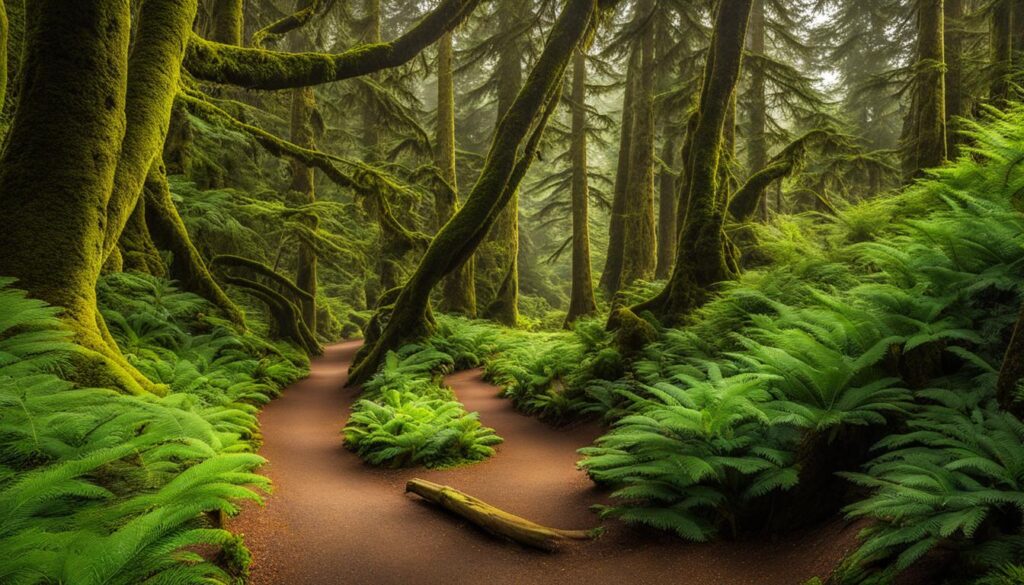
[(459, 294), (494, 520), (66, 185), (581, 299), (611, 275), (304, 192), (640, 254), (757, 147), (928, 137), (701, 262), (514, 146), (499, 262)]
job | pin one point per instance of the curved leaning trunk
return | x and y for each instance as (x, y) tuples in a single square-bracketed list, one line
[(514, 146), (701, 261)]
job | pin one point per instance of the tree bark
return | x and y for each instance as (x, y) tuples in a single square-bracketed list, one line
[(303, 186), (757, 147), (514, 146), (459, 293), (1002, 51), (640, 254), (499, 260), (612, 273), (701, 262), (928, 137), (956, 97), (57, 183), (581, 298)]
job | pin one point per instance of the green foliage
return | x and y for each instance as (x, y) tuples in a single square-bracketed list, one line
[(101, 487), (886, 318), (407, 417)]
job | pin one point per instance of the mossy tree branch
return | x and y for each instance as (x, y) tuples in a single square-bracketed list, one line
[(262, 69), (289, 23)]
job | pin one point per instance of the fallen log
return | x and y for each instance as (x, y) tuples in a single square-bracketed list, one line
[(496, 521)]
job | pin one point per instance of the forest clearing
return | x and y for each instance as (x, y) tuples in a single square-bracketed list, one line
[(720, 292)]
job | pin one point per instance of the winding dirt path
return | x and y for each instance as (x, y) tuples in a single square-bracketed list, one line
[(333, 520)]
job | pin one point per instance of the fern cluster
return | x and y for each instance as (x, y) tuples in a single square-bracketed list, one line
[(893, 327), (407, 417), (100, 487), (542, 373)]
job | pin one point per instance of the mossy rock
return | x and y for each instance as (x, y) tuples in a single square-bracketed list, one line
[(632, 333)]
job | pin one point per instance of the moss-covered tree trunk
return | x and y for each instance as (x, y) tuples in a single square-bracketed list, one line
[(640, 253), (303, 187), (499, 258), (956, 94), (666, 177), (515, 144), (581, 298), (701, 260), (1001, 36), (304, 193), (927, 137), (757, 145), (87, 118), (611, 275), (459, 293)]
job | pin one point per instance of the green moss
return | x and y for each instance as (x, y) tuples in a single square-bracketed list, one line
[(262, 69)]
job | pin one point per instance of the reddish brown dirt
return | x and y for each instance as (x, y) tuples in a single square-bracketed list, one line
[(333, 520)]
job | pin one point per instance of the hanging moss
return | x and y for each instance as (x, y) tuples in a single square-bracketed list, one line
[(506, 164), (261, 69)]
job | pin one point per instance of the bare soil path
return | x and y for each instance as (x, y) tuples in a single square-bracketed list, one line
[(333, 520)]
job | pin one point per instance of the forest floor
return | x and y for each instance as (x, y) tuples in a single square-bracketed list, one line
[(334, 520)]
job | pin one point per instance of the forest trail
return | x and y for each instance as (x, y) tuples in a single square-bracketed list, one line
[(334, 520)]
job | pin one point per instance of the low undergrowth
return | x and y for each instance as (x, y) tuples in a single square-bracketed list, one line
[(408, 417), (855, 372), (100, 487)]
